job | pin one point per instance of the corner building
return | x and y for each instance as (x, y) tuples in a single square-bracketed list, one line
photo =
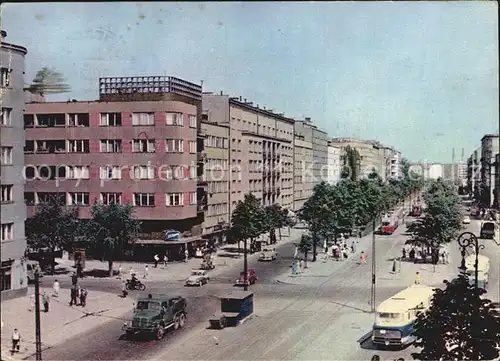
[(140, 143), (13, 281), (260, 149)]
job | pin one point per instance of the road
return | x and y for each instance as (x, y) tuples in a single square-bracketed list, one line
[(321, 320)]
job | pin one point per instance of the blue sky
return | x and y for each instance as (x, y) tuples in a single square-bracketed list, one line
[(419, 76)]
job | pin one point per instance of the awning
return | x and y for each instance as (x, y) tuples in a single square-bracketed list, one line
[(182, 240)]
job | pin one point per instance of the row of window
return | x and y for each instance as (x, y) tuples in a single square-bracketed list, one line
[(216, 142), (218, 187), (172, 172), (105, 146), (217, 209), (105, 119), (138, 200)]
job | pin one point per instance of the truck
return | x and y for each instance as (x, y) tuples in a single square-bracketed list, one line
[(155, 315)]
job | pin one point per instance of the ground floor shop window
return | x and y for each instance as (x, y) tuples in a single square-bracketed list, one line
[(5, 280)]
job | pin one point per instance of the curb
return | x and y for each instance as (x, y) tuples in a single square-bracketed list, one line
[(287, 283)]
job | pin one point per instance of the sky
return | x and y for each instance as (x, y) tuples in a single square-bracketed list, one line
[(419, 76)]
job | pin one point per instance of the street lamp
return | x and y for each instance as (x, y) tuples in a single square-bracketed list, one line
[(38, 334), (469, 240)]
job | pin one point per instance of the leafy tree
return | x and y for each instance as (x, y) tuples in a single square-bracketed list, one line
[(459, 325), (305, 246), (49, 81), (52, 227), (249, 219), (275, 217), (111, 228), (352, 164)]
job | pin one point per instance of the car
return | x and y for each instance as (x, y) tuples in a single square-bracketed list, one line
[(466, 220), (487, 230), (251, 278), (197, 278)]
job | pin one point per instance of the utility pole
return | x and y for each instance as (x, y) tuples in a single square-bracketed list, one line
[(374, 270), (38, 334), (245, 266)]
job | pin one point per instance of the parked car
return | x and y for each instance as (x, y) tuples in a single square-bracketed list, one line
[(495, 309), (487, 230), (251, 278), (197, 278), (466, 220)]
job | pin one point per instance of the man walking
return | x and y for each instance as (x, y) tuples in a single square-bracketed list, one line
[(186, 255), (83, 297), (74, 279), (417, 278), (74, 295), (165, 260), (146, 271), (45, 301), (157, 259), (56, 287), (16, 341)]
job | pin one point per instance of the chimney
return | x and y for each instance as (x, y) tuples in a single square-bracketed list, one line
[(245, 100), (221, 93), (3, 35)]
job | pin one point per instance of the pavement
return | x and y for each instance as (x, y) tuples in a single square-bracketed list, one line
[(61, 320)]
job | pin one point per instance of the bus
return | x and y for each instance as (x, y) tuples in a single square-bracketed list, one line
[(483, 270), (390, 222), (396, 316)]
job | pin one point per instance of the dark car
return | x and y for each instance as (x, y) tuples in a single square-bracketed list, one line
[(251, 278), (487, 230)]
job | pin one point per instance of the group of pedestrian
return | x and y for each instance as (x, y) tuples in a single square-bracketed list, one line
[(78, 294), (411, 255)]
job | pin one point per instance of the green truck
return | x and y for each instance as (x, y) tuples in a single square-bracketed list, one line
[(156, 314)]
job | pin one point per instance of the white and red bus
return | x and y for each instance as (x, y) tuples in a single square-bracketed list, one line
[(391, 220)]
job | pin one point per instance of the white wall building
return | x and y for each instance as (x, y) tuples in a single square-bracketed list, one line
[(395, 165), (435, 171), (334, 164)]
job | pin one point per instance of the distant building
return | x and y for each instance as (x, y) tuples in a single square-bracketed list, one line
[(13, 280), (303, 163), (334, 164), (455, 173), (489, 148)]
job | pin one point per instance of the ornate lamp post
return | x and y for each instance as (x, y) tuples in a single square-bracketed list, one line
[(469, 240)]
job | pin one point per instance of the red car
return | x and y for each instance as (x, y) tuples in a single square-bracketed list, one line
[(251, 278)]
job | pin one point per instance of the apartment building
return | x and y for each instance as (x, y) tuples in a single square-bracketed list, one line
[(261, 149), (455, 172), (474, 169), (370, 152), (217, 175), (489, 149), (334, 163), (303, 163), (13, 279), (320, 154), (140, 143), (393, 162)]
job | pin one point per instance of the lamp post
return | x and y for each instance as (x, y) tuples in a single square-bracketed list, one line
[(38, 334), (468, 240)]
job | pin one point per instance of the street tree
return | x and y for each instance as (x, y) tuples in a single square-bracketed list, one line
[(275, 219), (111, 229), (352, 164), (305, 246), (49, 81), (459, 325), (249, 219), (51, 228)]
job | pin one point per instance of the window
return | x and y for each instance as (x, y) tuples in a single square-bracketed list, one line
[(143, 118), (144, 199), (111, 119), (174, 146), (6, 155), (174, 199), (143, 146), (192, 121), (192, 198), (178, 172), (78, 146), (7, 232), (78, 120), (29, 198), (7, 193), (193, 172), (108, 198), (192, 146), (5, 80), (77, 172), (111, 146), (6, 116), (79, 199), (111, 172), (143, 172), (5, 279), (174, 119)]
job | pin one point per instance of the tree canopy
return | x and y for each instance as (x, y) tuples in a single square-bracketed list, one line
[(459, 325)]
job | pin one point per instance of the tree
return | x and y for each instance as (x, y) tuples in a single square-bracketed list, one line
[(459, 325), (48, 81), (249, 219), (352, 165), (274, 218), (111, 228), (52, 227), (305, 246)]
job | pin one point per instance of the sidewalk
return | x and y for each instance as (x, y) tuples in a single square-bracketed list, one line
[(226, 258), (61, 320)]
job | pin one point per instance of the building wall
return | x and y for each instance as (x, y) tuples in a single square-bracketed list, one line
[(13, 210), (396, 170), (489, 148), (216, 174), (334, 164), (162, 184), (303, 179), (320, 155)]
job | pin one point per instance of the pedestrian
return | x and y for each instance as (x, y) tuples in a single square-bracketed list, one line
[(157, 259), (302, 266), (362, 257), (131, 272), (146, 271), (120, 271), (296, 252), (412, 254), (45, 301), (124, 289), (186, 255), (56, 287), (16, 341), (73, 294), (32, 303), (83, 297), (353, 247), (417, 278), (375, 358), (165, 261), (443, 257), (74, 279), (79, 270), (404, 253)]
